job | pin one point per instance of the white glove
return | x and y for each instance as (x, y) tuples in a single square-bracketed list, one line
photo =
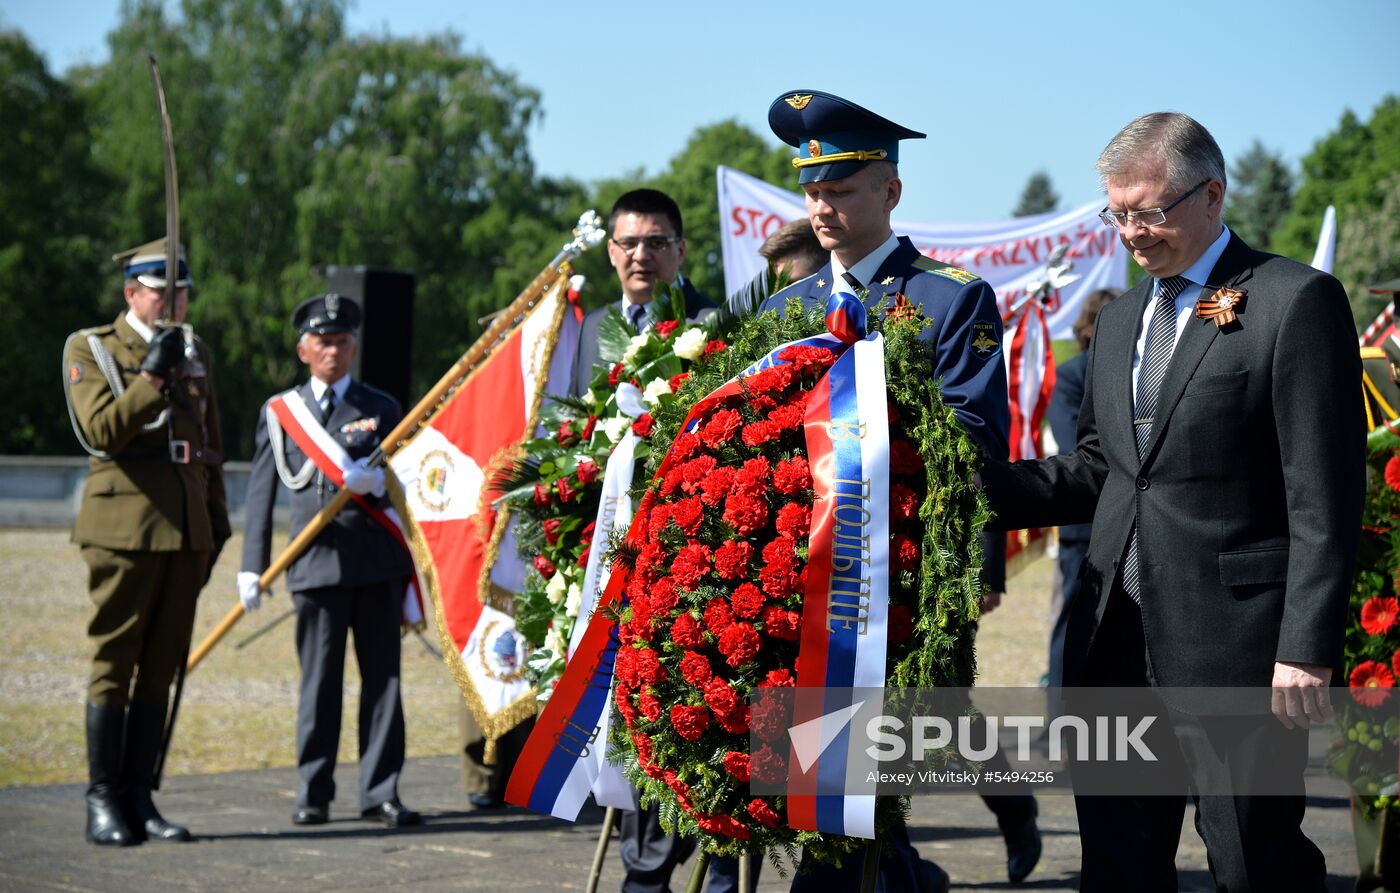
[(249, 593), (362, 480)]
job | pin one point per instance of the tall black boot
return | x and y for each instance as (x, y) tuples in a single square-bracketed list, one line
[(145, 734), (105, 824)]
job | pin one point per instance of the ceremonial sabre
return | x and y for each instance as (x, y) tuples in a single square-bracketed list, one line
[(587, 233)]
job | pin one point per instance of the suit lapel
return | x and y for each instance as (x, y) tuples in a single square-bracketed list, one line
[(1232, 269), (346, 410), (1119, 384), (893, 270)]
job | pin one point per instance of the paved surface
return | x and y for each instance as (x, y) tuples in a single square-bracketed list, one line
[(246, 842)]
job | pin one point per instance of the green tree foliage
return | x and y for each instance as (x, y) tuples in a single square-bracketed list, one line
[(1260, 194), (1038, 197), (51, 256), (1352, 168)]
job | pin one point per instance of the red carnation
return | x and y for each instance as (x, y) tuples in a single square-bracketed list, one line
[(739, 644), (684, 446), (747, 601), (665, 327), (767, 381), (1379, 614), (542, 497), (779, 679), (544, 566), (566, 434), (904, 553), (551, 530), (723, 824), (1395, 662), (688, 513), (695, 472), (900, 624), (769, 719), (614, 375), (745, 513), (766, 766), (1368, 682), (566, 493), (588, 427), (691, 565), (714, 346), (779, 572), (737, 721), (904, 503), (695, 669), (649, 669), (643, 425), (792, 476), (718, 616), (624, 706), (905, 458), (690, 722), (643, 744), (686, 632), (716, 486), (664, 596), (758, 433), (677, 380), (737, 765), (672, 481), (1392, 472), (753, 477), (625, 668), (650, 707), (721, 428), (788, 418), (720, 697), (732, 559), (763, 813), (794, 520), (587, 472), (782, 624), (808, 357)]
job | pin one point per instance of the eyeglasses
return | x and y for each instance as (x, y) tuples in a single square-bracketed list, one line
[(1147, 216), (653, 243)]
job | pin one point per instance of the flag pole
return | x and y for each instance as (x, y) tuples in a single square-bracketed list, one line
[(588, 233)]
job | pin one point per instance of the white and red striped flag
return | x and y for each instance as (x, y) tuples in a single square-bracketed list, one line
[(1030, 379), (453, 527)]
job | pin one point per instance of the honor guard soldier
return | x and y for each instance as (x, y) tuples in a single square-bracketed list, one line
[(152, 521), (351, 577), (846, 164)]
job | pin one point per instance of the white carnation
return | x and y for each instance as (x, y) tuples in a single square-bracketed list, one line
[(655, 388), (690, 344), (634, 347), (555, 589)]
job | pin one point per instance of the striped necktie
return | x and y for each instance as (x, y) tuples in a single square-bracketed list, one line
[(1157, 355), (637, 315)]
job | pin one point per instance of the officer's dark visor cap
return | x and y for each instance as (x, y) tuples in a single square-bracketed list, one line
[(326, 313), (834, 137)]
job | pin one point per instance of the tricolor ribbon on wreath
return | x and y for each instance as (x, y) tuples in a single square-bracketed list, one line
[(289, 411), (843, 644)]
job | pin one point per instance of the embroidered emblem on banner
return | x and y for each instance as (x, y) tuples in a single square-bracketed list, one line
[(1221, 306), (502, 652), (355, 427), (75, 373), (798, 101), (433, 473), (983, 339)]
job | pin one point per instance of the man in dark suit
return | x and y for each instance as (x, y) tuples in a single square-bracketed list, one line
[(646, 245), (847, 163), (350, 578), (1063, 416), (1220, 457)]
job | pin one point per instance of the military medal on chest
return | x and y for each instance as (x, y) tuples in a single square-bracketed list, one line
[(1221, 306)]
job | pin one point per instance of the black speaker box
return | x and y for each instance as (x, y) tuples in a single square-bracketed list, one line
[(385, 357)]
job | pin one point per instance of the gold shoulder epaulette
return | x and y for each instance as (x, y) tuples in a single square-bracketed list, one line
[(1372, 353), (947, 271)]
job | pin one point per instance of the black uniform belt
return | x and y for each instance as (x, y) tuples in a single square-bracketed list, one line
[(181, 452)]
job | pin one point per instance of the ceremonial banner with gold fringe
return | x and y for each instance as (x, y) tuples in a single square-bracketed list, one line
[(453, 529)]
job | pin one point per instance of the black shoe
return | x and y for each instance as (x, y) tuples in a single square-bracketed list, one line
[(106, 825), (393, 814), (934, 879), (485, 801), (145, 740), (1023, 846), (310, 815)]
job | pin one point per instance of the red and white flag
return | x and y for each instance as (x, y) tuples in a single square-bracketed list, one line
[(452, 526), (1030, 380)]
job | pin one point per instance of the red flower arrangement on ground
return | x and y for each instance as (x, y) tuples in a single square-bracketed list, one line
[(715, 600)]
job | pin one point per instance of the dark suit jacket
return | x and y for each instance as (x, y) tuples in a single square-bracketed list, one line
[(587, 356), (1247, 500), (354, 549), (1063, 416)]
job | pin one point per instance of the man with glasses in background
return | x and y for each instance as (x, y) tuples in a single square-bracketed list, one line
[(1221, 460)]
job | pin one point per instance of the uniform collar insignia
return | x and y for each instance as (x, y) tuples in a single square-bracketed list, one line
[(888, 280), (821, 283)]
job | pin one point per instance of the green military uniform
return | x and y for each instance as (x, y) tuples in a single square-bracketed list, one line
[(153, 517)]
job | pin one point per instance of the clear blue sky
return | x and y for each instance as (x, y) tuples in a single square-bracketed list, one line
[(1002, 88)]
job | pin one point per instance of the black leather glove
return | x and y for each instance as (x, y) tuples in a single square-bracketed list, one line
[(167, 350)]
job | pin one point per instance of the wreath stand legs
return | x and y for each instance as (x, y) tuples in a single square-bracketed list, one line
[(609, 819)]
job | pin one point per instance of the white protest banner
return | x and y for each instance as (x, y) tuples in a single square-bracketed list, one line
[(1008, 254)]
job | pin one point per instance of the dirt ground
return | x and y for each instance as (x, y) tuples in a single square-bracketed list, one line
[(239, 708)]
